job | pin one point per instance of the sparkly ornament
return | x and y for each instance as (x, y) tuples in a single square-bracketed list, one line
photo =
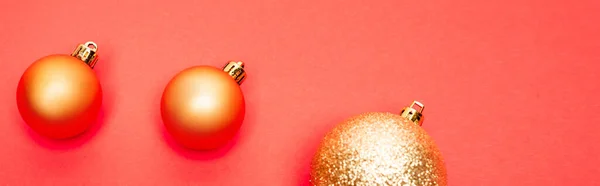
[(203, 107), (379, 149), (59, 96)]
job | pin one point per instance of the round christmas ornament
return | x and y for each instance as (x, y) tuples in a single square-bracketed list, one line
[(59, 96), (203, 107), (379, 149)]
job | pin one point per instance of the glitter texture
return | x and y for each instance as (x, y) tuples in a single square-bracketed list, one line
[(378, 149)]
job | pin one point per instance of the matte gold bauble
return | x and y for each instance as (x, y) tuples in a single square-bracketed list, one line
[(203, 107), (379, 149), (59, 96)]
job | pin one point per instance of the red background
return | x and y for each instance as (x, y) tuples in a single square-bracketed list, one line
[(510, 86)]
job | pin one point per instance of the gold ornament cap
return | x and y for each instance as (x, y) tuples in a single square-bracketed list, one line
[(87, 53), (414, 112), (236, 70)]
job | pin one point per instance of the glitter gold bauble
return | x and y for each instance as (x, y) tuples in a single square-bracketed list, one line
[(379, 149), (59, 96), (203, 107)]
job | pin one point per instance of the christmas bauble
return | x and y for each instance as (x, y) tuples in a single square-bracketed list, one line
[(59, 96), (379, 149), (203, 107)]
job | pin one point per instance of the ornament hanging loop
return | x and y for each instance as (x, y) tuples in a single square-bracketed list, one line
[(236, 70), (414, 112), (87, 53)]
